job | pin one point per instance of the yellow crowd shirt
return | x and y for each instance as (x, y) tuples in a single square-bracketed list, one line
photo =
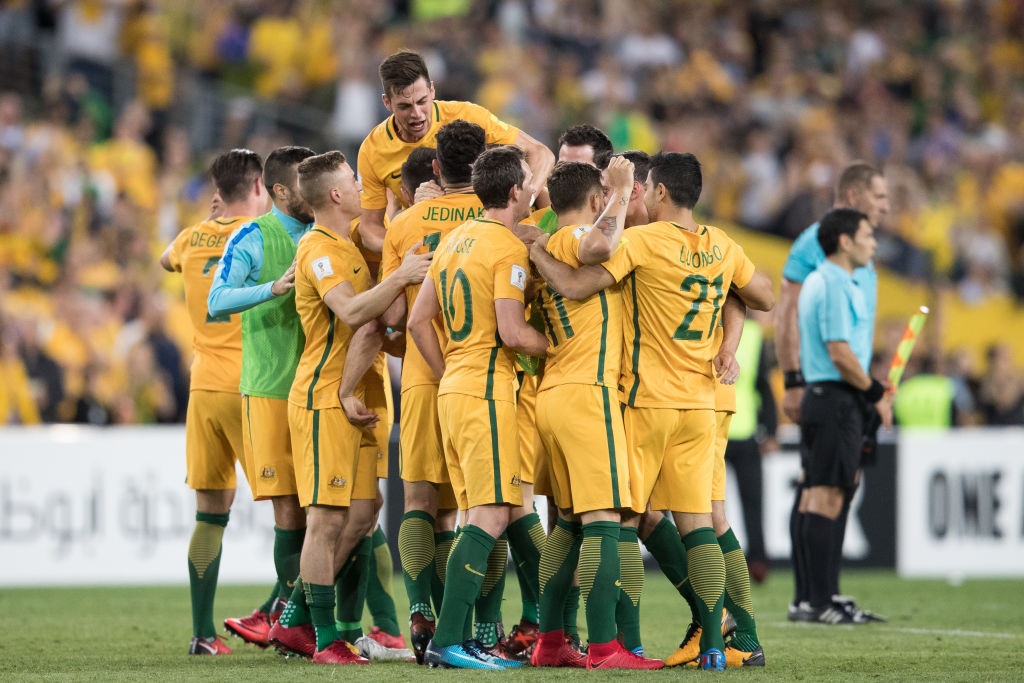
[(382, 153), (478, 263), (585, 336), (424, 223), (323, 261), (217, 341), (673, 295)]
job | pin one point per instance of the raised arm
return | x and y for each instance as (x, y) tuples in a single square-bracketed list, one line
[(540, 160), (597, 245), (371, 229)]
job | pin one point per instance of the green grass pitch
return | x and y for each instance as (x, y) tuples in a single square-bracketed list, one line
[(936, 631)]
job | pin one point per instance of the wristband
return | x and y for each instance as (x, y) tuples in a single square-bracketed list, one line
[(875, 392), (793, 379)]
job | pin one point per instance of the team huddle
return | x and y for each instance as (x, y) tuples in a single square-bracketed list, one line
[(583, 351)]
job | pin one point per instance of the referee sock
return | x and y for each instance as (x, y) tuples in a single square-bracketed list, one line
[(737, 592), (467, 567), (706, 568), (818, 546), (838, 537), (379, 598), (599, 574), (526, 538), (351, 590), (269, 602), (416, 552), (631, 570), (488, 605), (667, 548), (296, 610), (321, 608), (287, 551), (796, 540), (558, 561), (203, 567), (442, 548)]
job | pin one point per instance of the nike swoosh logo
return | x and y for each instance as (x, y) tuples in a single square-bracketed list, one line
[(521, 563), (289, 584), (472, 571), (396, 176), (356, 270), (618, 584), (677, 585)]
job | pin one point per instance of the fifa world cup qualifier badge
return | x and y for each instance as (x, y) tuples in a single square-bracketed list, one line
[(518, 279)]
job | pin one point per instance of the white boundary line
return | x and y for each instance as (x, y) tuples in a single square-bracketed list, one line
[(915, 631)]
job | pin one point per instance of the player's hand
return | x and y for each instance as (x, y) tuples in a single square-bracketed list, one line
[(539, 246), (769, 445), (619, 176), (428, 190), (357, 413), (884, 407), (727, 368), (527, 233), (285, 283), (791, 400), (414, 266)]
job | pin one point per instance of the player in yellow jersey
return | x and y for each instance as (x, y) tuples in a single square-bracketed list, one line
[(677, 273), (430, 505), (416, 118), (478, 281), (213, 424), (587, 453), (336, 481)]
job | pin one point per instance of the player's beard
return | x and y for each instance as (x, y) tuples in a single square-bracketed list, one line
[(300, 211)]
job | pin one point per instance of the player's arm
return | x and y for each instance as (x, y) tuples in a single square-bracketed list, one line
[(734, 312), (394, 317), (421, 327), (165, 258), (757, 293), (371, 229), (362, 350), (358, 309), (514, 331), (787, 347), (233, 289), (597, 245), (572, 283), (371, 220), (539, 158)]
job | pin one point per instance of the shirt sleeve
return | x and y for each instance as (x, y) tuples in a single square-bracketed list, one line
[(373, 196), (511, 273), (328, 268), (625, 258), (835, 317), (496, 131), (234, 287), (743, 267), (565, 246), (804, 256), (178, 249)]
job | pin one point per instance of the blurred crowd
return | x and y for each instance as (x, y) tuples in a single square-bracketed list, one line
[(110, 110)]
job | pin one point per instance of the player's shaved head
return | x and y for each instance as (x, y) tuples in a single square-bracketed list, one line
[(233, 173), (318, 176), (572, 184)]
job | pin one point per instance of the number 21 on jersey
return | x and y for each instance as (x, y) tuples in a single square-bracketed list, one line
[(685, 332)]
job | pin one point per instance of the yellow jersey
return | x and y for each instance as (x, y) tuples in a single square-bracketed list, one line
[(323, 260), (217, 341), (426, 223), (673, 295), (585, 336), (478, 263), (382, 153)]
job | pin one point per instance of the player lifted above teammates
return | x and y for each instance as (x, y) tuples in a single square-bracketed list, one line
[(478, 279), (213, 424), (678, 275), (416, 118)]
